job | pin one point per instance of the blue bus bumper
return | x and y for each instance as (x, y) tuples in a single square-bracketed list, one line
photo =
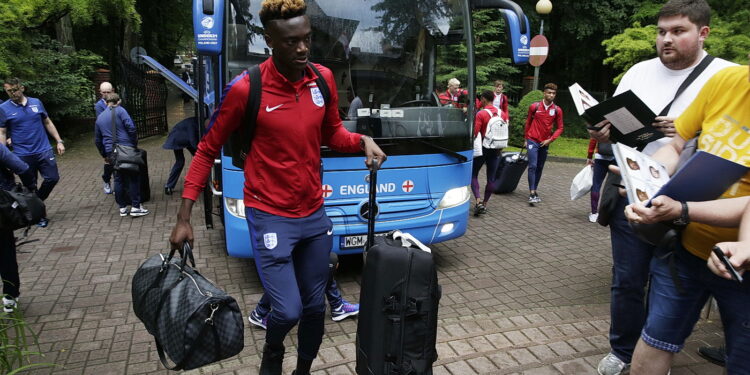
[(438, 226)]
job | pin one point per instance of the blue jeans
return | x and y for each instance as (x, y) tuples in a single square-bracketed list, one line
[(537, 157), (179, 163), (672, 315), (45, 164), (291, 255), (127, 183), (630, 272)]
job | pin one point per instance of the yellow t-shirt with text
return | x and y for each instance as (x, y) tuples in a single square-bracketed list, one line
[(721, 111)]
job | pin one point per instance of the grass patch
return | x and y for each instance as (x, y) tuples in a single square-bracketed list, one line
[(565, 147)]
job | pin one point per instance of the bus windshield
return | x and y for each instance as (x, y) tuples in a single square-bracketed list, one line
[(383, 55)]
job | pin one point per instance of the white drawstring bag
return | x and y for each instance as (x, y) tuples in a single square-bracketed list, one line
[(582, 182)]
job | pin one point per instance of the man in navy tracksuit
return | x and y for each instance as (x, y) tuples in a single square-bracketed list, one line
[(27, 124), (290, 232)]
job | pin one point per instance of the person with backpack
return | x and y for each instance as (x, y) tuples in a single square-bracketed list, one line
[(289, 230), (538, 134), (487, 124), (9, 164)]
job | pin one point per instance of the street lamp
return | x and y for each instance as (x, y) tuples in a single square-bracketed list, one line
[(543, 7)]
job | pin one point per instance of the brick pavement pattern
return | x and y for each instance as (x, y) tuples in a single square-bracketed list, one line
[(525, 291)]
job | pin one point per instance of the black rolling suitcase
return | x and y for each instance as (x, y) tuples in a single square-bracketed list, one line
[(397, 322), (145, 183), (510, 171)]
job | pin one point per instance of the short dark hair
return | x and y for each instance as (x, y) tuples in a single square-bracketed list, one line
[(112, 98), (487, 95), (281, 10), (550, 86), (13, 81), (697, 11)]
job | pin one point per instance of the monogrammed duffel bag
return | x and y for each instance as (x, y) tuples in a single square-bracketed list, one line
[(193, 322)]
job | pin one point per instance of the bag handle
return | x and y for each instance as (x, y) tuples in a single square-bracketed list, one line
[(371, 203), (185, 253), (409, 240)]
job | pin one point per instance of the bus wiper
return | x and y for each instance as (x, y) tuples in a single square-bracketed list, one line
[(455, 154)]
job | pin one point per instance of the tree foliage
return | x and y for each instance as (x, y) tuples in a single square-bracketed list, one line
[(728, 38), (490, 50)]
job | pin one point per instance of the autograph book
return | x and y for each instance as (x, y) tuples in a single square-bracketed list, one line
[(704, 177), (631, 118)]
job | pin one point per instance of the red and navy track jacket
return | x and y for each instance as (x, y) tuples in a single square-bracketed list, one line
[(282, 169)]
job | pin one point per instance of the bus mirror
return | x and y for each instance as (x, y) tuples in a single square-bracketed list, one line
[(507, 5), (516, 26)]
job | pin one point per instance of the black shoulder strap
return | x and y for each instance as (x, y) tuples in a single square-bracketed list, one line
[(321, 82), (114, 128), (240, 145), (690, 78)]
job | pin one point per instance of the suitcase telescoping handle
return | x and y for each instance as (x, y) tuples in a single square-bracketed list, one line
[(371, 204)]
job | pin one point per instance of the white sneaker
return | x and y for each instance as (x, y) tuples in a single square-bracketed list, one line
[(593, 217), (138, 211), (9, 304), (107, 188), (123, 212), (611, 365)]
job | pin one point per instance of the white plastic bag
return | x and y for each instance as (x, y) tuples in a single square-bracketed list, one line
[(478, 146), (582, 182)]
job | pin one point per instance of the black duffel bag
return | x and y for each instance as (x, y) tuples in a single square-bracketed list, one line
[(194, 322), (20, 208)]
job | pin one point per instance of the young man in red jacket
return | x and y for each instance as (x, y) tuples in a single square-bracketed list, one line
[(538, 135), (289, 230)]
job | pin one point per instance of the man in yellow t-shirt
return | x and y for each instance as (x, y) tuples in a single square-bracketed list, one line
[(721, 114)]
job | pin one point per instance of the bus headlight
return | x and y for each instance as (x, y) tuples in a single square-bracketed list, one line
[(455, 197), (236, 207)]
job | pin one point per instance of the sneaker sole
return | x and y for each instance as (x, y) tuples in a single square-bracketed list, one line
[(256, 323), (123, 215), (341, 317), (139, 214)]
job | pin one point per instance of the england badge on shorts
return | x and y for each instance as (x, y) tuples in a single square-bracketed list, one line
[(317, 96), (270, 240)]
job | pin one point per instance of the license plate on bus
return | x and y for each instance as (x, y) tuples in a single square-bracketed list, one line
[(356, 241)]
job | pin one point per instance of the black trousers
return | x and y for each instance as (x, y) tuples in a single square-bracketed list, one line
[(9, 264)]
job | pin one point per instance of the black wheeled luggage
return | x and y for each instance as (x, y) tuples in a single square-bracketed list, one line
[(510, 171), (397, 322)]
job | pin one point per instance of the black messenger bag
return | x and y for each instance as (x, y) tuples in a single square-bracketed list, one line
[(194, 322)]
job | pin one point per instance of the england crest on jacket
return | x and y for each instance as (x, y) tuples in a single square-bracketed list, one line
[(317, 96)]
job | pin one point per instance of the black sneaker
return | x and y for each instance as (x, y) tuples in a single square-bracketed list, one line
[(476, 209), (715, 355), (272, 361), (482, 209)]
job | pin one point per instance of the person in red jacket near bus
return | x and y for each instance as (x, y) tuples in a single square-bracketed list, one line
[(538, 135), (289, 230), (489, 156)]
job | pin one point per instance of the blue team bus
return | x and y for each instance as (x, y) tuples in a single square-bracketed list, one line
[(383, 54)]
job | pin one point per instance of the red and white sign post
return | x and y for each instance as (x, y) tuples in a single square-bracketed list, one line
[(538, 51)]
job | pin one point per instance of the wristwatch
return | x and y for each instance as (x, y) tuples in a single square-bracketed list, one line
[(684, 218)]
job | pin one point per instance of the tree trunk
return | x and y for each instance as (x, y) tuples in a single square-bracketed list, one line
[(64, 31)]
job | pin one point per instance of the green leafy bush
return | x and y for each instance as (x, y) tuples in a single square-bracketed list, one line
[(518, 116), (60, 79)]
